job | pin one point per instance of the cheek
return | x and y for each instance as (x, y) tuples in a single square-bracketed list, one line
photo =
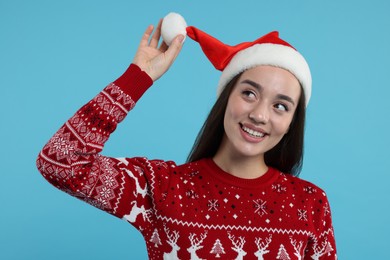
[(232, 118), (283, 126), (237, 108), (232, 112), (229, 119)]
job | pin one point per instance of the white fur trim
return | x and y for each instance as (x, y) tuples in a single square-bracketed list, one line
[(269, 54), (173, 24)]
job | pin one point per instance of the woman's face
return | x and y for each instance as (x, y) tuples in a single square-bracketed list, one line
[(259, 111)]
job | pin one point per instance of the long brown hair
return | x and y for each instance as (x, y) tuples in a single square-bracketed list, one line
[(286, 156)]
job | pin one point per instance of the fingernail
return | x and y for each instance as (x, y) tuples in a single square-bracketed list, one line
[(180, 38)]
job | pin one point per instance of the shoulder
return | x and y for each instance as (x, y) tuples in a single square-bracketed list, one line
[(303, 188), (310, 201)]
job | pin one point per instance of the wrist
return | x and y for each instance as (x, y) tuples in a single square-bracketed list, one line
[(134, 81)]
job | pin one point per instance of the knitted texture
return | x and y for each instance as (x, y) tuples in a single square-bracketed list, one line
[(190, 211)]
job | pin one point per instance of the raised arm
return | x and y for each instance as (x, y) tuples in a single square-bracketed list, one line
[(71, 160)]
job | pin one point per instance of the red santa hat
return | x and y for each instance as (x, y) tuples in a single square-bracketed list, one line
[(232, 60)]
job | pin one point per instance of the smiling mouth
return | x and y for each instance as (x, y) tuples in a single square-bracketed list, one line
[(252, 132)]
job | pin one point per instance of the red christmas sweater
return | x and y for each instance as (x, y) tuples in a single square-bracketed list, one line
[(190, 211)]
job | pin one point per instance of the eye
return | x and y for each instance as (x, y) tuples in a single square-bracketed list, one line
[(281, 107), (249, 94)]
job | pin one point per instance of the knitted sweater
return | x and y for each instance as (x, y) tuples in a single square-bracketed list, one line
[(190, 211)]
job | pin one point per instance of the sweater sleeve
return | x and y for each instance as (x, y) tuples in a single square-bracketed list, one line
[(323, 244), (71, 159)]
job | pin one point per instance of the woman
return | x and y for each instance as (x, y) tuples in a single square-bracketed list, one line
[(236, 197)]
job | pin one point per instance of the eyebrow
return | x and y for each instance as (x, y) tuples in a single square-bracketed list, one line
[(253, 84), (286, 98), (260, 88)]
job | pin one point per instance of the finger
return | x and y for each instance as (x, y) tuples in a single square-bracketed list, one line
[(156, 35), (174, 48), (146, 36)]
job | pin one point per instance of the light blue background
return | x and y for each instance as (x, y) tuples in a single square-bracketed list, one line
[(56, 55)]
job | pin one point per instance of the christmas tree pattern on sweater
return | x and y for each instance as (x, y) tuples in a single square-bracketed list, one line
[(190, 211)]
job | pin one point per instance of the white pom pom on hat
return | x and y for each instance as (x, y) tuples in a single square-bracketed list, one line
[(232, 60), (173, 24)]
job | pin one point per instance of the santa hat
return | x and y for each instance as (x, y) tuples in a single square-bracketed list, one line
[(232, 60)]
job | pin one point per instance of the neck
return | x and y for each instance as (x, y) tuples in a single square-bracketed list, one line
[(241, 166)]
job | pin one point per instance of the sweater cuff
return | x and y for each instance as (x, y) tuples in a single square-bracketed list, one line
[(134, 82)]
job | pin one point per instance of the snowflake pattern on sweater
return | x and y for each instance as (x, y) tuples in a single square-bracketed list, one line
[(190, 211)]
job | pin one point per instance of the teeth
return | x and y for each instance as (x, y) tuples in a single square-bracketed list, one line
[(252, 132)]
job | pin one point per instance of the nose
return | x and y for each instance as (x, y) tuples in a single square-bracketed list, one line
[(260, 113)]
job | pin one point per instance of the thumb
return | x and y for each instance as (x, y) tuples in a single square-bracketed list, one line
[(175, 48)]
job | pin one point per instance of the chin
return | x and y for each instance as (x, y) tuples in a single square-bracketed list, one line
[(251, 153)]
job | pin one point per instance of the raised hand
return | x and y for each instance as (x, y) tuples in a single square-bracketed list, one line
[(154, 60)]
